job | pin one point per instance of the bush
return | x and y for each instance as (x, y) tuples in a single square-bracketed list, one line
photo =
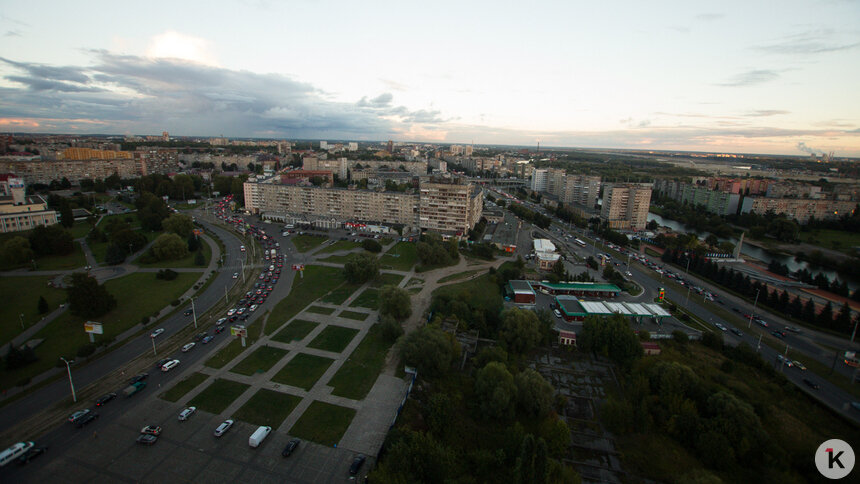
[(175, 302), (371, 245), (199, 259), (391, 329), (166, 274)]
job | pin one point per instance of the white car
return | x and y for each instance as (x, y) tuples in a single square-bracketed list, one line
[(557, 313), (231, 312), (156, 332), (223, 428), (240, 311), (235, 275), (253, 308), (242, 248), (188, 347), (221, 321), (169, 365), (187, 413)]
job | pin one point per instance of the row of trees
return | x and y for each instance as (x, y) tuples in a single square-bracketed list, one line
[(434, 252), (39, 242), (536, 218)]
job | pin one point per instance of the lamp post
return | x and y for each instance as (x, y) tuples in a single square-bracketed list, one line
[(153, 345), (71, 384), (194, 312), (21, 317), (754, 306)]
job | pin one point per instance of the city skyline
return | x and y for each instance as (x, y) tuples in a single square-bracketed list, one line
[(737, 78)]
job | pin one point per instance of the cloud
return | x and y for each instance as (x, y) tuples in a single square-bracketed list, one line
[(751, 78), (13, 33), (709, 17), (380, 101), (176, 45), (806, 43), (758, 113), (630, 122)]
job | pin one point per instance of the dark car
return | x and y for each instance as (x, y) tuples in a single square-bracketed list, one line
[(31, 454), (86, 419), (200, 336), (811, 384), (245, 317), (356, 464), (219, 329), (291, 446), (778, 334), (736, 331), (137, 378), (146, 439), (188, 312), (161, 362), (105, 398)]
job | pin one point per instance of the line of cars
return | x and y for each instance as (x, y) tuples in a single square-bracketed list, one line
[(21, 452)]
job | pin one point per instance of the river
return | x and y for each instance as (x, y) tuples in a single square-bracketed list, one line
[(760, 254)]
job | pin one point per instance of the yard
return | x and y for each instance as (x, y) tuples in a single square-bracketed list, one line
[(218, 395), (401, 257), (260, 361), (359, 372), (267, 407), (185, 262), (26, 292), (295, 331), (303, 371), (317, 281), (305, 243), (339, 245), (323, 423), (186, 385), (333, 338), (62, 262), (339, 295)]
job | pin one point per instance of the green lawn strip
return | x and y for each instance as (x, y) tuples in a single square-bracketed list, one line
[(22, 297), (218, 395), (323, 423), (839, 240), (387, 280), (185, 262), (319, 310), (339, 245), (459, 275), (401, 257), (427, 268), (367, 299), (333, 338), (80, 229), (259, 361), (359, 372), (131, 218), (340, 259), (317, 281), (137, 295), (339, 295), (234, 348), (295, 331), (303, 370), (353, 315), (63, 262), (305, 243), (186, 385), (267, 407)]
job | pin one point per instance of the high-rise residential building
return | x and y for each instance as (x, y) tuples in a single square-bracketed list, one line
[(539, 176), (353, 146), (165, 136), (555, 182), (798, 208), (323, 145), (581, 190), (625, 206), (19, 211), (337, 166), (449, 205), (91, 154), (469, 150), (390, 146)]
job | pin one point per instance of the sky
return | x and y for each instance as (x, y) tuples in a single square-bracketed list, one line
[(734, 76)]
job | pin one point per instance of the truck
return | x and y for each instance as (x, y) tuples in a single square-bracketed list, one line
[(134, 388), (258, 436)]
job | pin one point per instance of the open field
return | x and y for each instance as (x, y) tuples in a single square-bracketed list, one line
[(303, 371), (367, 299), (341, 293), (62, 262), (323, 423), (305, 243), (267, 407), (22, 297), (319, 310), (333, 338), (401, 257), (259, 361), (339, 245)]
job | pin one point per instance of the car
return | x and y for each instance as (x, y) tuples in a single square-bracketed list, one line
[(778, 334), (223, 428), (221, 321), (75, 417), (244, 317), (811, 384), (240, 311), (557, 313), (207, 339), (231, 312), (31, 454), (242, 248), (798, 365), (784, 360), (357, 462), (737, 331), (233, 318), (253, 307), (291, 446), (105, 398), (146, 439), (721, 326), (86, 419), (156, 332), (139, 377), (161, 362), (183, 416), (260, 301), (199, 336), (169, 365), (235, 275), (188, 312), (151, 430), (188, 347)]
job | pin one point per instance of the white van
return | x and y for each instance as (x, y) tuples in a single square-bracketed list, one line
[(14, 452), (258, 436), (169, 365)]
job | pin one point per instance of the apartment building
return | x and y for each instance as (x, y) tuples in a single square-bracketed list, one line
[(449, 205), (581, 190), (625, 206), (46, 171), (539, 176), (798, 208), (18, 211)]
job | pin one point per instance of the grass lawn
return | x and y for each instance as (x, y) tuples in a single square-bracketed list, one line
[(339, 295), (305, 243), (401, 257), (831, 239), (323, 423), (131, 218), (303, 371), (479, 292), (187, 261), (295, 331), (186, 385), (353, 315), (80, 229), (333, 338), (26, 291), (234, 348), (62, 262), (341, 259), (318, 280), (459, 275), (259, 361), (137, 295), (367, 299), (359, 372), (218, 395), (339, 245), (319, 310), (387, 280), (267, 407)]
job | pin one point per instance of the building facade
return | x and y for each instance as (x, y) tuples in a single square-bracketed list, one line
[(800, 209), (625, 206), (449, 206), (19, 212)]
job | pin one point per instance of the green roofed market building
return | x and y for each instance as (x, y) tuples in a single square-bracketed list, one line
[(523, 292), (573, 309)]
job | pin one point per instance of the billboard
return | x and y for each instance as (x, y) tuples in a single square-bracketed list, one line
[(238, 330), (93, 327), (298, 267)]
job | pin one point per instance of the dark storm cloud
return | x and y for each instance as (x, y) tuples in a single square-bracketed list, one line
[(146, 95)]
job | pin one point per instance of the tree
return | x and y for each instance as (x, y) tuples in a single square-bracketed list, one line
[(390, 328), (429, 350), (19, 357), (371, 245), (395, 302), (53, 240), (178, 224), (128, 240), (87, 298), (520, 331), (67, 217), (115, 255), (534, 393), (611, 337), (360, 268), (495, 391), (43, 305), (16, 251), (169, 247)]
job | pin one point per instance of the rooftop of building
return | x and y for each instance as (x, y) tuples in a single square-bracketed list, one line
[(522, 287), (573, 306), (580, 286)]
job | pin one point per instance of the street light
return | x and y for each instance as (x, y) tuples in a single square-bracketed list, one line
[(754, 306), (194, 312), (21, 317), (71, 384)]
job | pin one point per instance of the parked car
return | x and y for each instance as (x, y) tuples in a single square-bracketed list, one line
[(156, 332), (235, 275), (207, 339), (188, 347), (31, 454), (811, 384), (105, 398), (161, 362), (146, 439), (223, 428), (86, 419), (151, 430), (778, 334), (183, 416), (188, 312), (798, 365), (356, 464), (291, 446), (219, 329)]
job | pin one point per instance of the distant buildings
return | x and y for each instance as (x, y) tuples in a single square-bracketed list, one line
[(625, 206), (20, 212), (571, 189), (799, 208), (714, 201)]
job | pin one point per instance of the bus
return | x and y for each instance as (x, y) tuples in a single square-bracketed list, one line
[(579, 242)]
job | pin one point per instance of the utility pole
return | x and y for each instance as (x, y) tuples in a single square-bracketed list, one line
[(71, 383), (153, 346), (21, 317), (754, 306), (194, 312)]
